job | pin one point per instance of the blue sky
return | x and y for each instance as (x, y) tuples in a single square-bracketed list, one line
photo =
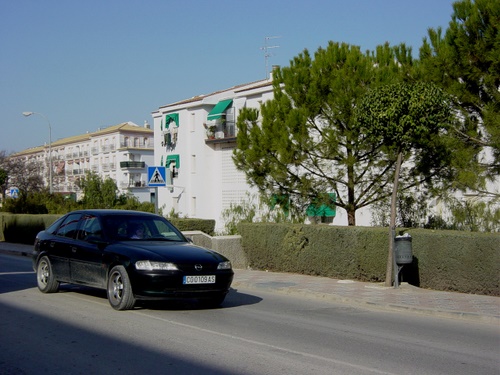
[(97, 63)]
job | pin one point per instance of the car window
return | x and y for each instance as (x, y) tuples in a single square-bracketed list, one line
[(165, 230), (53, 227), (129, 227), (69, 226), (90, 227)]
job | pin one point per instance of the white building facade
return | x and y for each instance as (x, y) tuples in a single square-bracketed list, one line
[(195, 140), (122, 152)]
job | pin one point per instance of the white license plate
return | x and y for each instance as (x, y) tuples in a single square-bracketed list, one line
[(206, 279)]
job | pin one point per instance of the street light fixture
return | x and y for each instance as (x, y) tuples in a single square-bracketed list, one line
[(26, 114)]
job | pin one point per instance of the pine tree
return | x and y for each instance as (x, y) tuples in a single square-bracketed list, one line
[(307, 141)]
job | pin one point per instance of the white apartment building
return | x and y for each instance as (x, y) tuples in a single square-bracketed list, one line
[(195, 139), (122, 152)]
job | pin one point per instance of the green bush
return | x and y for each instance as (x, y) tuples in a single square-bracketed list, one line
[(459, 261), (23, 228), (206, 226)]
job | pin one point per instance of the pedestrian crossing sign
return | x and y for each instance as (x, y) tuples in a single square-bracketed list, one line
[(157, 176)]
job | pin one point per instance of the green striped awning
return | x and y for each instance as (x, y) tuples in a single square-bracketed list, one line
[(219, 109), (320, 209), (176, 158), (171, 117)]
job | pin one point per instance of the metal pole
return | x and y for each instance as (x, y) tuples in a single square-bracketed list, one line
[(50, 145), (50, 158), (394, 264), (156, 200)]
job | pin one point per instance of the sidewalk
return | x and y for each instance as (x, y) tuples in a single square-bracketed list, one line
[(409, 298)]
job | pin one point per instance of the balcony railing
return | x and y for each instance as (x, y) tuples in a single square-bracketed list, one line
[(132, 164), (220, 130), (132, 184), (107, 148), (131, 144)]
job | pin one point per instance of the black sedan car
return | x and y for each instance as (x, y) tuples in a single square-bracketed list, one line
[(132, 255)]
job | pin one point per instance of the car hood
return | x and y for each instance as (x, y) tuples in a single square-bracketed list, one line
[(175, 252)]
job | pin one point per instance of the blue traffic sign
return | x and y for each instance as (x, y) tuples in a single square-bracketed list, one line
[(157, 176), (14, 192)]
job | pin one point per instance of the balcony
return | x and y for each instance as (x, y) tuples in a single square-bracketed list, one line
[(132, 164), (131, 144), (220, 131), (132, 184), (107, 148)]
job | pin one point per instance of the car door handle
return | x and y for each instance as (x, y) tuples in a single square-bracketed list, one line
[(73, 249)]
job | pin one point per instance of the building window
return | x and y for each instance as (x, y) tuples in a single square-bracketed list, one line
[(192, 125), (193, 207)]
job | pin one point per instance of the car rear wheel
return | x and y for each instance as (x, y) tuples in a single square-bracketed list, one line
[(119, 290), (45, 279)]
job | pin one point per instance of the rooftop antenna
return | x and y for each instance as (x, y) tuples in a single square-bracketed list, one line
[(266, 49)]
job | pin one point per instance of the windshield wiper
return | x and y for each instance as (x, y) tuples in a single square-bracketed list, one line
[(161, 238)]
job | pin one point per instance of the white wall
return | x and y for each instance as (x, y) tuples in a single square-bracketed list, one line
[(207, 181)]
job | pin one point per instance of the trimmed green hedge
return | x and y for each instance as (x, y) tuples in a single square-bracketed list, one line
[(207, 226), (465, 262), (23, 228)]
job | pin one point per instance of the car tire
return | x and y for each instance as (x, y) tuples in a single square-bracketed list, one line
[(45, 278), (119, 290)]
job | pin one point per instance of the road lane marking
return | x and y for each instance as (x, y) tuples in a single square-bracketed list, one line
[(265, 345)]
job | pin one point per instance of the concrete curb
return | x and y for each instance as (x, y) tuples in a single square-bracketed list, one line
[(356, 302)]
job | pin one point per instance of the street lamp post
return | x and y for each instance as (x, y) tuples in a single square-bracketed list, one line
[(50, 145)]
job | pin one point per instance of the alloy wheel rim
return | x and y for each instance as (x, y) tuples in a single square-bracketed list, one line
[(117, 287), (44, 273)]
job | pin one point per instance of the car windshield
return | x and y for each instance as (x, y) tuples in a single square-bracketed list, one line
[(136, 228)]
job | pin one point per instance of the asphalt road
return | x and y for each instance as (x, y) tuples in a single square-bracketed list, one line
[(255, 332)]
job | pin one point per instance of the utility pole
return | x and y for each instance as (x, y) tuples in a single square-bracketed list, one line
[(26, 114)]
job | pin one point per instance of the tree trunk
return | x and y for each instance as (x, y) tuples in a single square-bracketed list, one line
[(392, 227), (351, 218)]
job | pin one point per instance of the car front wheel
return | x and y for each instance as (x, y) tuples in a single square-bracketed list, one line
[(45, 279), (119, 290)]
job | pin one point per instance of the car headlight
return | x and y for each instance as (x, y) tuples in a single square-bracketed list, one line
[(147, 265), (224, 265)]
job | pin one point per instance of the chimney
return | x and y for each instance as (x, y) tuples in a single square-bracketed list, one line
[(274, 67)]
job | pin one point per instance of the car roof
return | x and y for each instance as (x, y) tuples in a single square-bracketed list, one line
[(111, 212)]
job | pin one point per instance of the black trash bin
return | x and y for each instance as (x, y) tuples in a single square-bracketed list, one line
[(403, 250)]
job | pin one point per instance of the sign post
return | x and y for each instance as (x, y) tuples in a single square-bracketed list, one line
[(157, 177)]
